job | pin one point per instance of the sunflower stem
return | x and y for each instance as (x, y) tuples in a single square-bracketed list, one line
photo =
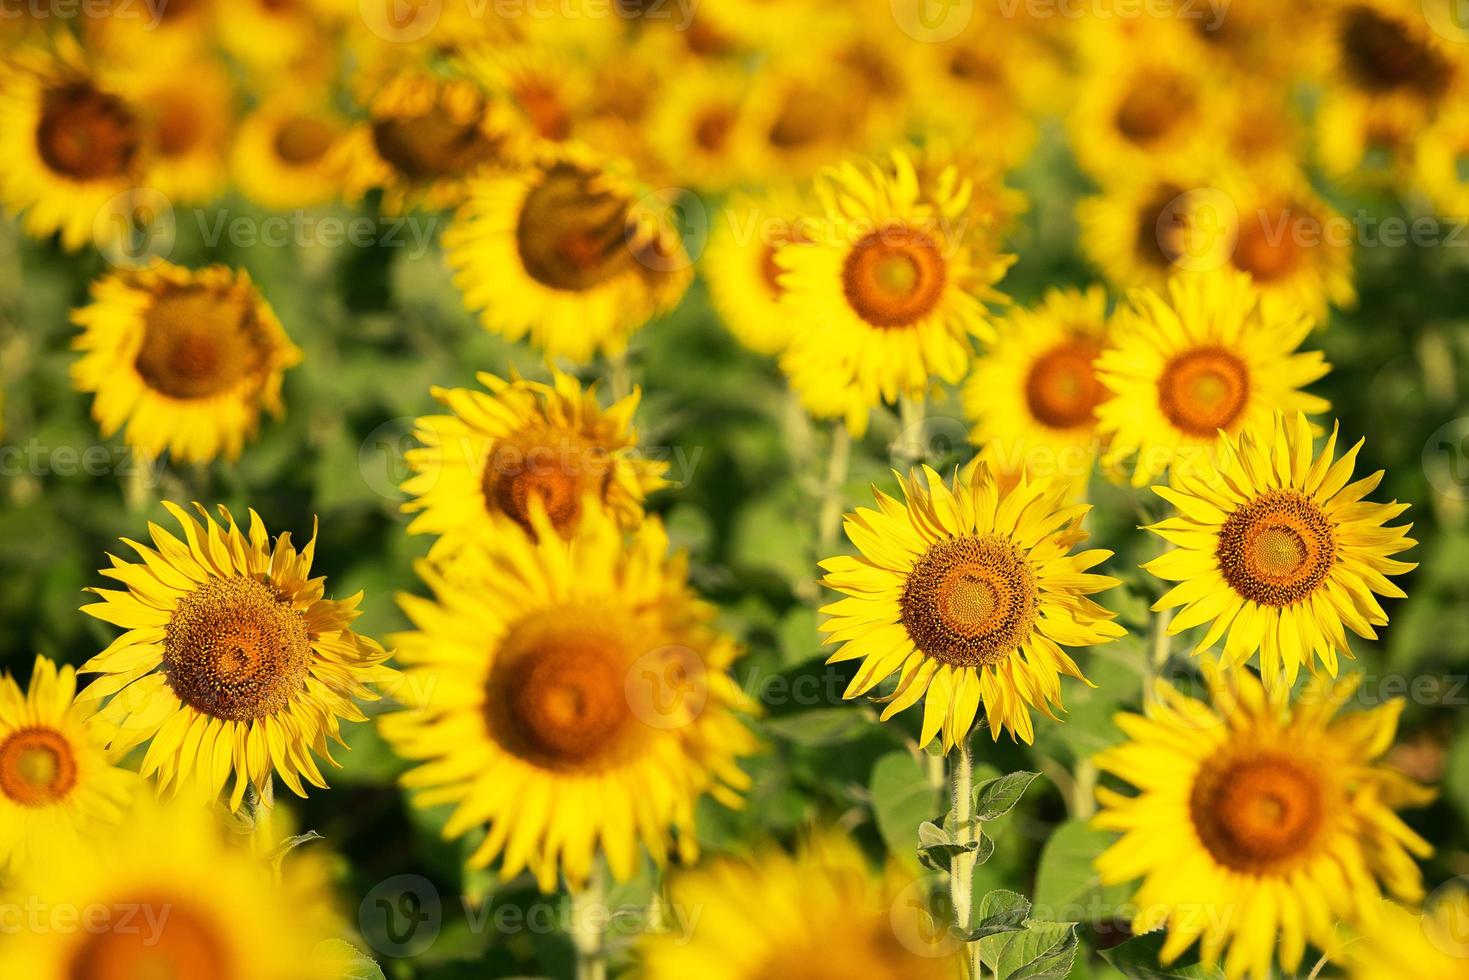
[(588, 921), (909, 447), (1162, 642), (832, 503), (619, 376), (961, 872)]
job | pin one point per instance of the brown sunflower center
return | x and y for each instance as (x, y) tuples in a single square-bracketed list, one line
[(1267, 247), (180, 126), (557, 696), (571, 235), (301, 140), (184, 946), (1161, 243), (542, 103), (37, 766), (1203, 390), (712, 128), (894, 276), (86, 134), (1061, 389), (553, 465), (1383, 53), (432, 145), (969, 601), (199, 342), (807, 116), (1259, 814), (1154, 107), (236, 649), (1277, 549)]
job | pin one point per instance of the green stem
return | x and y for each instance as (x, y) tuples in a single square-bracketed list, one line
[(588, 921), (832, 503), (619, 376), (1162, 643), (910, 448), (961, 872)]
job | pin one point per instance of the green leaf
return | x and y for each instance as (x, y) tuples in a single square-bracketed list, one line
[(1000, 911), (1138, 959), (823, 726), (1041, 951), (903, 799), (1067, 886), (997, 797), (288, 845), (345, 961)]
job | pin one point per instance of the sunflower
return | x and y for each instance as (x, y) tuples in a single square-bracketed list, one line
[(699, 130), (1211, 355), (1143, 229), (1401, 944), (994, 207), (802, 115), (185, 359), (233, 659), (1033, 396), (525, 440), (282, 151), (889, 293), (71, 143), (822, 912), (968, 595), (1367, 145), (743, 274), (1442, 165), (576, 698), (544, 90), (268, 36), (1380, 51), (166, 894), (187, 111), (1258, 822), (1277, 552), (569, 251), (56, 784)]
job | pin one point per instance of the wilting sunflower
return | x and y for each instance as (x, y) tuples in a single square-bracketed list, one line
[(233, 660), (1211, 355), (282, 151), (1278, 552), (968, 595), (820, 913), (1258, 824), (187, 111), (71, 143), (1431, 946), (522, 441), (167, 895), (890, 292), (1442, 165), (568, 251), (56, 784), (740, 265), (185, 359), (575, 698), (1033, 396)]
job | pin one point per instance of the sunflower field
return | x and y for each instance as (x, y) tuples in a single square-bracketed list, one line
[(734, 489)]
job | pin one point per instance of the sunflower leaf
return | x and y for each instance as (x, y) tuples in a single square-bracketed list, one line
[(1040, 951), (1138, 959), (1001, 911), (997, 797)]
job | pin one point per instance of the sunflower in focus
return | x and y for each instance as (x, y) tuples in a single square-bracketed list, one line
[(968, 595), (942, 164), (1442, 165), (1210, 355), (234, 661), (522, 441), (283, 150), (185, 359), (889, 293), (569, 251), (1258, 824), (1278, 552), (187, 111), (822, 912), (1402, 944), (740, 265), (56, 783), (1033, 396), (71, 141), (576, 699), (166, 894)]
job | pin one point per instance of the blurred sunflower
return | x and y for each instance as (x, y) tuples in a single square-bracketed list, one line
[(699, 130), (1442, 165), (525, 440), (801, 117), (166, 895), (1144, 229), (942, 163), (1277, 552), (233, 659), (968, 595), (1211, 355), (269, 36), (71, 143), (1258, 824), (741, 268), (185, 359), (282, 151), (545, 91), (187, 110), (978, 80), (1430, 946), (570, 252), (1367, 145), (1033, 395), (56, 783), (819, 913), (576, 699), (889, 292)]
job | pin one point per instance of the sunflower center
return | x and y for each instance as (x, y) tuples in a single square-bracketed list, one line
[(37, 766), (185, 946), (712, 128), (969, 601), (198, 342), (301, 140), (1163, 244), (1259, 814), (1265, 254), (236, 649), (894, 276), (548, 114), (179, 127), (572, 236), (555, 466), (557, 696), (1203, 390), (1383, 54), (86, 134), (1153, 108), (1062, 390), (1277, 549), (431, 145), (806, 116)]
